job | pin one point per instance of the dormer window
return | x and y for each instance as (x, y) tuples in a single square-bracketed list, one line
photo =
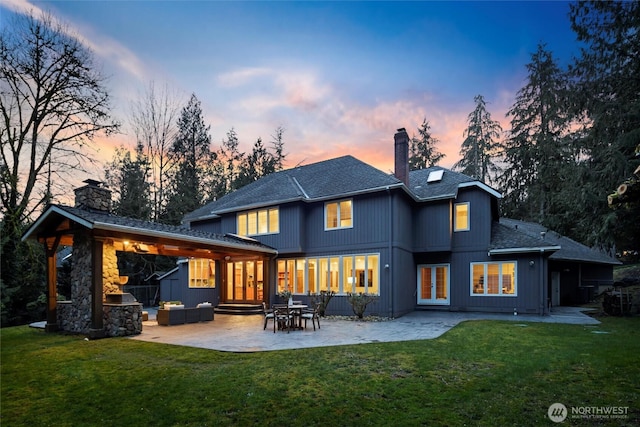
[(338, 215), (461, 217)]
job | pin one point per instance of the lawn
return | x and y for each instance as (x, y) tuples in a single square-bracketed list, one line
[(479, 373)]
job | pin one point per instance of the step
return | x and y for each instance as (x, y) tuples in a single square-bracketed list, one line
[(239, 309)]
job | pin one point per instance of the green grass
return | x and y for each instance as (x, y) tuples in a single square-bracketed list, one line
[(479, 373)]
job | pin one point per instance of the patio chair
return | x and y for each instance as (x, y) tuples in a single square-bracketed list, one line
[(282, 318), (268, 314), (312, 314)]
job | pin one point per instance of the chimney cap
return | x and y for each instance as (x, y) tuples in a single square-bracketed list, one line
[(93, 182), (402, 130)]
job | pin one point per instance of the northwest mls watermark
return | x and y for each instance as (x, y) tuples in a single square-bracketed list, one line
[(559, 412)]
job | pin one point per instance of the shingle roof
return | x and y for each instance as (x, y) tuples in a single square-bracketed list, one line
[(102, 220), (445, 188), (342, 176), (511, 233)]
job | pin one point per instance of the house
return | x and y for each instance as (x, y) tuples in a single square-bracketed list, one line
[(424, 239)]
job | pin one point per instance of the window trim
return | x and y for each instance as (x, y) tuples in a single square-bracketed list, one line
[(337, 203), (198, 264), (290, 281), (434, 300), (500, 277), (256, 212), (455, 217)]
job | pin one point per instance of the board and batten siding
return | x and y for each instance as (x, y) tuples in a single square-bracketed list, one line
[(432, 225), (480, 216), (370, 225), (531, 290)]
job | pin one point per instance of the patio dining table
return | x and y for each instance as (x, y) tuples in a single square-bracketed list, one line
[(296, 311)]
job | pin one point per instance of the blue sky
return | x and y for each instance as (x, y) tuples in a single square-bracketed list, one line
[(340, 77)]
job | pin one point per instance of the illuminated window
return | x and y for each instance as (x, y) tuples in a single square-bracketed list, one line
[(264, 221), (341, 274), (461, 217), (493, 279), (338, 215), (202, 273)]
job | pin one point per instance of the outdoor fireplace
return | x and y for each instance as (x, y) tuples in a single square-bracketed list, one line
[(95, 259)]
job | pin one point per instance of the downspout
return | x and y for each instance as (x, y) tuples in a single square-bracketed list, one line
[(543, 286), (390, 269)]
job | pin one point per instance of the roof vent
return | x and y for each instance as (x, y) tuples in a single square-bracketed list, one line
[(435, 176)]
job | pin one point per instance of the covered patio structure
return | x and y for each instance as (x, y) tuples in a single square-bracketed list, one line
[(98, 307)]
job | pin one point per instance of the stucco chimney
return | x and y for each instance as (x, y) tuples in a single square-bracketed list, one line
[(401, 139), (93, 196)]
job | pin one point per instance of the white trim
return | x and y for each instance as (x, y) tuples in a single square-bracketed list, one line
[(483, 186), (50, 211), (178, 236), (500, 276), (523, 250), (433, 300), (455, 217), (338, 227)]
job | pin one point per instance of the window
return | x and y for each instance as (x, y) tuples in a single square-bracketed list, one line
[(264, 221), (461, 217), (338, 215), (341, 274), (202, 273), (493, 279)]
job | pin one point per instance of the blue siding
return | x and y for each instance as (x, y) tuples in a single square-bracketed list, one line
[(433, 227), (479, 235), (175, 287)]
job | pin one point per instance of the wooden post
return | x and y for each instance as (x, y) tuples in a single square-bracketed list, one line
[(52, 290), (97, 314)]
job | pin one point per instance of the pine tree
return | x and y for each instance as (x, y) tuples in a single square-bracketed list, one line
[(536, 149), (422, 151), (191, 151), (128, 180), (607, 93), (480, 145)]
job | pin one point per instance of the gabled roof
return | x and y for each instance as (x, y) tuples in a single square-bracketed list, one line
[(340, 177), (108, 223), (445, 187), (511, 233)]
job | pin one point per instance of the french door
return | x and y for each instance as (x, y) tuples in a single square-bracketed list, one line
[(245, 281), (433, 284)]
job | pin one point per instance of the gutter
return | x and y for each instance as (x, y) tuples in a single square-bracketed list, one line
[(183, 237), (540, 249)]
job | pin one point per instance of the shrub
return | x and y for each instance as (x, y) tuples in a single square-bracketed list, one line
[(322, 298), (360, 301)]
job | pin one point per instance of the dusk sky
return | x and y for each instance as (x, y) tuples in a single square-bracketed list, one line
[(340, 77)]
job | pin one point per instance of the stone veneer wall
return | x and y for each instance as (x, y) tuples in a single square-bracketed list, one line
[(93, 197), (75, 315), (110, 273), (122, 320)]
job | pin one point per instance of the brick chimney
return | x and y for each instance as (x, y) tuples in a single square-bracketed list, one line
[(401, 139), (93, 196)]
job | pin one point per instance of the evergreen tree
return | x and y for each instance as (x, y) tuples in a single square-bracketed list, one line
[(480, 145), (607, 93), (422, 151), (279, 155), (191, 151), (129, 182), (536, 150)]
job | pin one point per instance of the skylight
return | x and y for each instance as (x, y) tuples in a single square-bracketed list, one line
[(435, 176)]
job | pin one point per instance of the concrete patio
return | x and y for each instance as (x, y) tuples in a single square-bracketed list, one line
[(245, 334)]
